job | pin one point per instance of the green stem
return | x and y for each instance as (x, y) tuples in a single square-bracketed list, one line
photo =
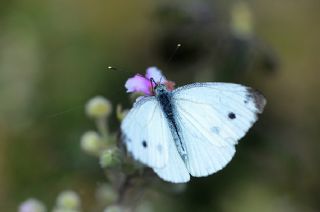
[(103, 128)]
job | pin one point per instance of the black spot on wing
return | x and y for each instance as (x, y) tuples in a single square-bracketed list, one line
[(258, 99), (232, 115), (144, 144)]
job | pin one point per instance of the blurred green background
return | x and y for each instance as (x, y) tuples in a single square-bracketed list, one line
[(54, 56)]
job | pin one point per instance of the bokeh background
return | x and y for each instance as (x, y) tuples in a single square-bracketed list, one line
[(54, 56)]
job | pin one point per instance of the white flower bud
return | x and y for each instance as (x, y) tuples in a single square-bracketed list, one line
[(98, 107), (91, 142), (32, 205), (68, 200)]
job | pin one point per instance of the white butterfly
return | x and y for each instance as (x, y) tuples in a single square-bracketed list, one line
[(191, 130)]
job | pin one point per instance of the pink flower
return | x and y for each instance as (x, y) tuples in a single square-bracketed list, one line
[(143, 84)]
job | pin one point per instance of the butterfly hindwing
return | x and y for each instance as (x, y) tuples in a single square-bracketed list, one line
[(175, 171), (146, 133), (213, 117), (207, 151)]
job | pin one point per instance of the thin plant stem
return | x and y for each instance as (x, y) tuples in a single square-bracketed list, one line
[(103, 128)]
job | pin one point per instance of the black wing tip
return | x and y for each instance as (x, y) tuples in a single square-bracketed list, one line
[(258, 99)]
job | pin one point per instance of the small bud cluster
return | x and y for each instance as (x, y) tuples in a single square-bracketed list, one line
[(101, 143)]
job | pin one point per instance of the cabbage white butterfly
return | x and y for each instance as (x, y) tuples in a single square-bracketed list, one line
[(191, 130)]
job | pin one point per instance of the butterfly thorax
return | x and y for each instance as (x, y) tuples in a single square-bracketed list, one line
[(166, 102), (164, 97)]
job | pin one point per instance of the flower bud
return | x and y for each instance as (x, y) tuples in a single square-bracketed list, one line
[(110, 158), (98, 107), (91, 142), (242, 23), (106, 194), (120, 112), (68, 200), (32, 205)]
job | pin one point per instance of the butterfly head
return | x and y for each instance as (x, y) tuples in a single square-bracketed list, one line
[(148, 83), (158, 88)]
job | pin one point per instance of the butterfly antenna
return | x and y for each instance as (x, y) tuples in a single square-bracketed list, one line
[(112, 68), (174, 52), (154, 82), (160, 79), (116, 69)]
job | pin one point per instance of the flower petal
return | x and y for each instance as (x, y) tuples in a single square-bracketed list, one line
[(155, 73), (138, 84), (170, 85)]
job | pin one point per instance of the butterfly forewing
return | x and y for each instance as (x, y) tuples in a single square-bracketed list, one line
[(223, 112), (212, 118), (146, 133)]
